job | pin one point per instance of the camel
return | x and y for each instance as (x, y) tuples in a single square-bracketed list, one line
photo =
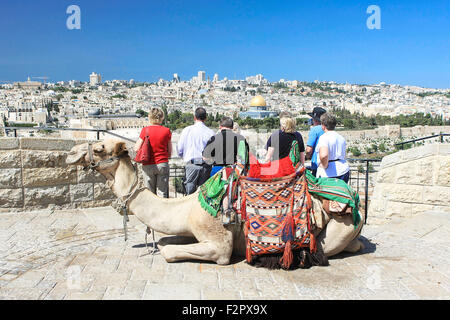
[(185, 217)]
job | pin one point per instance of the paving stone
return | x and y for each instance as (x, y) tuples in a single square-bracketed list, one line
[(135, 288), (171, 291), (84, 296), (80, 254), (216, 294)]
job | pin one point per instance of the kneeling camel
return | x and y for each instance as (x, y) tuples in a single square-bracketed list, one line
[(185, 217)]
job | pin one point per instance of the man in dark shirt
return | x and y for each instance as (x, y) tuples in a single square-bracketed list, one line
[(221, 150)]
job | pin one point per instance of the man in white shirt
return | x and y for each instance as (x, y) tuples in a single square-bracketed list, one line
[(193, 140), (331, 149)]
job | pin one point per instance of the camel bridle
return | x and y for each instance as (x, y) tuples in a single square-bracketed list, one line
[(92, 164)]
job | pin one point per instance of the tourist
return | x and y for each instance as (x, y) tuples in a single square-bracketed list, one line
[(280, 142), (156, 170), (331, 149), (222, 148), (193, 140), (313, 136)]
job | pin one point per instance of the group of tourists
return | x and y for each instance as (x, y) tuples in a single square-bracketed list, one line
[(205, 152)]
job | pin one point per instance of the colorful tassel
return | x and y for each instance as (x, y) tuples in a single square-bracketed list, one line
[(288, 256), (243, 206), (248, 252), (287, 233)]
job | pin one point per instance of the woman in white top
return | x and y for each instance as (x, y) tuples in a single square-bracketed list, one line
[(331, 150)]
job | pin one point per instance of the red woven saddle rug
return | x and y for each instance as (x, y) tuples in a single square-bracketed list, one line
[(278, 215)]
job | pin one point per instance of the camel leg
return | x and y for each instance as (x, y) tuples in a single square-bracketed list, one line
[(197, 251), (176, 240), (354, 246), (339, 235)]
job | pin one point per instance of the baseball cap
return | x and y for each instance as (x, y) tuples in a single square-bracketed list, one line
[(316, 113)]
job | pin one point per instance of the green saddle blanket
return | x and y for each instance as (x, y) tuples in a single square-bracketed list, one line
[(212, 192), (336, 190)]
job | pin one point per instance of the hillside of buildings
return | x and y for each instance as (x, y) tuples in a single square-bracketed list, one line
[(120, 106)]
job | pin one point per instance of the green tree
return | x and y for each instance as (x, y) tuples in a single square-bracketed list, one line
[(348, 123), (355, 151), (142, 113)]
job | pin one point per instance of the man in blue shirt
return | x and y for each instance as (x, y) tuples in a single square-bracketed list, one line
[(313, 136)]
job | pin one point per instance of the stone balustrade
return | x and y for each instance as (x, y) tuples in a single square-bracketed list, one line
[(410, 182), (34, 175)]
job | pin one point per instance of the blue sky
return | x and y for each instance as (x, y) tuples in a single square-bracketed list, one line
[(304, 40)]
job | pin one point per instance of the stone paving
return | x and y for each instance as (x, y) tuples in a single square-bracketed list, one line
[(81, 254)]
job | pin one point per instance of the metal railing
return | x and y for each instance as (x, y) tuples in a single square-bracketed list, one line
[(440, 135), (360, 179), (362, 174), (176, 178), (14, 129)]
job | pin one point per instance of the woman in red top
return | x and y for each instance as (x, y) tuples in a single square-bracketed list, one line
[(156, 170)]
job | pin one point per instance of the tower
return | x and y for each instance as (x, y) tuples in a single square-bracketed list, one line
[(95, 79), (201, 76)]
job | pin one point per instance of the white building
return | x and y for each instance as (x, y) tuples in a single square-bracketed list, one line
[(201, 76), (74, 83), (258, 79), (95, 79), (28, 85)]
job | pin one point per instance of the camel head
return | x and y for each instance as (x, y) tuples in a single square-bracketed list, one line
[(104, 158)]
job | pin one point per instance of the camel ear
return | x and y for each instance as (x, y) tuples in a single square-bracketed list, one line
[(120, 149)]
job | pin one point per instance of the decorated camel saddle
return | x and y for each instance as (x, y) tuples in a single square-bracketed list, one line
[(274, 202)]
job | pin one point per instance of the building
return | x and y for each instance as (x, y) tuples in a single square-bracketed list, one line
[(27, 112), (176, 78), (95, 79), (74, 83), (201, 76), (216, 78), (256, 80), (28, 85), (258, 109)]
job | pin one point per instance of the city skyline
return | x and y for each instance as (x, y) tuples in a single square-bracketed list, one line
[(195, 77), (144, 41)]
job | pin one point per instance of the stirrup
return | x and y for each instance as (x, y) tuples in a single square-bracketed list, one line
[(229, 217)]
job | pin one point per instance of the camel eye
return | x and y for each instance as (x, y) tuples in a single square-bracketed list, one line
[(99, 149)]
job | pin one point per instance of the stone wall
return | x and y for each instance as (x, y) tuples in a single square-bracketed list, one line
[(34, 175), (410, 182)]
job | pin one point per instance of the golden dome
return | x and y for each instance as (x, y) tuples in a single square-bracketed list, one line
[(258, 101)]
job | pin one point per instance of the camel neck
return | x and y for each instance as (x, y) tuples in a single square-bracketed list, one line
[(124, 178), (164, 215), (169, 216)]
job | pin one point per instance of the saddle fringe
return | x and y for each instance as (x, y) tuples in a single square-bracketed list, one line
[(302, 258)]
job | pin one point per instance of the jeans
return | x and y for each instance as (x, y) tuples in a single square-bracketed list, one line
[(345, 177), (196, 175), (156, 178)]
